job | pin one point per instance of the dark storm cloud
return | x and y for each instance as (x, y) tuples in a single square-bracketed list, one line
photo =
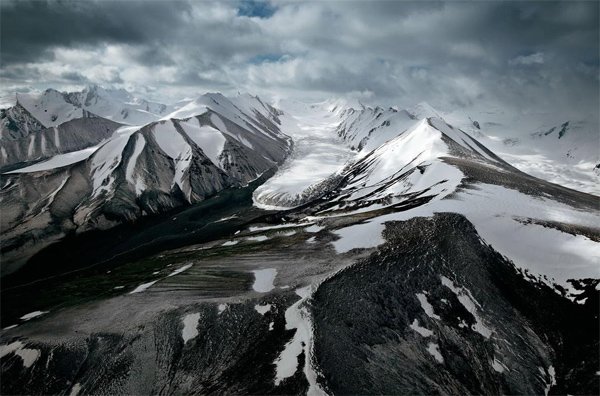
[(29, 28), (529, 55)]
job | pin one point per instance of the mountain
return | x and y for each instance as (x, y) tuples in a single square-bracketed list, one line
[(52, 108), (73, 135), (549, 146), (391, 252), (41, 125), (212, 144)]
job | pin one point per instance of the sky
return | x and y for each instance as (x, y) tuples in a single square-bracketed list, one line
[(528, 56)]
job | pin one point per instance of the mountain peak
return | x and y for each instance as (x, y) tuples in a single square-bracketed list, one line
[(424, 110)]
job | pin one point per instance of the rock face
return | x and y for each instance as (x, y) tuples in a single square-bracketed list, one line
[(17, 123), (139, 171)]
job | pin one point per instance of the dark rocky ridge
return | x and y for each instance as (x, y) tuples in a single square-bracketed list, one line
[(361, 315), (364, 344)]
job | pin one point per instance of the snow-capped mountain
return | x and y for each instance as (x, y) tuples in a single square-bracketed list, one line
[(398, 254), (561, 150), (411, 159), (212, 144), (41, 125), (70, 136), (52, 108)]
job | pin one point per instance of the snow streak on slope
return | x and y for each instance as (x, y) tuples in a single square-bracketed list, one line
[(59, 161), (211, 140), (107, 158), (140, 142), (175, 146)]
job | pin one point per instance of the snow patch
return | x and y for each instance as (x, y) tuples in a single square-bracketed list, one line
[(551, 376), (107, 158), (468, 301), (75, 390), (427, 307), (210, 140), (313, 228), (273, 227), (10, 327), (58, 161), (359, 236), (174, 146), (498, 366), (259, 238), (28, 356), (262, 309), (190, 326), (421, 330), (180, 270), (140, 142), (33, 314), (263, 280), (434, 350), (297, 317), (143, 287)]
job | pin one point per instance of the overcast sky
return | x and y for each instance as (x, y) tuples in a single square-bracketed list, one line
[(525, 56)]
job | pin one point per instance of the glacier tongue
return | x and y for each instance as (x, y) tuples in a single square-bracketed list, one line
[(318, 153)]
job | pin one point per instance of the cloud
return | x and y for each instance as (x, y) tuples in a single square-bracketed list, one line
[(536, 58), (449, 54)]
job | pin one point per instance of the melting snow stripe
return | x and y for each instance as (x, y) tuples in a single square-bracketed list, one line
[(180, 270), (259, 238), (143, 287), (498, 366), (75, 390), (32, 315)]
